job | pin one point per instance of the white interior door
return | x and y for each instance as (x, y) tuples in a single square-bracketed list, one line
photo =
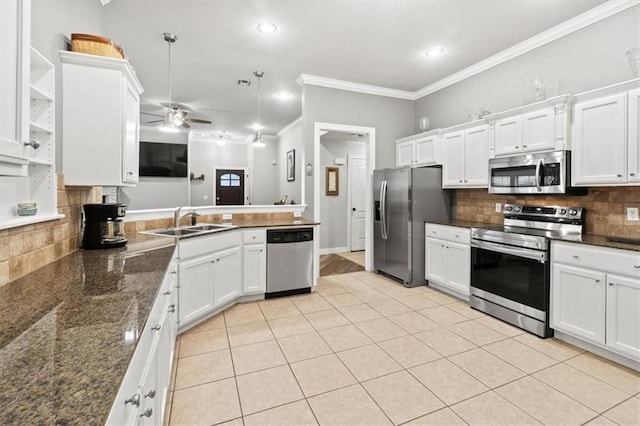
[(358, 190)]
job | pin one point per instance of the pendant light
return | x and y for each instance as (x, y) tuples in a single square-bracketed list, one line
[(257, 141), (169, 125)]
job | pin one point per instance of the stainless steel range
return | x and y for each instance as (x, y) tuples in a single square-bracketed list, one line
[(510, 269)]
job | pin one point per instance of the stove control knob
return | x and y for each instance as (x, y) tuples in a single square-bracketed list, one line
[(563, 211), (508, 208), (573, 212), (517, 209)]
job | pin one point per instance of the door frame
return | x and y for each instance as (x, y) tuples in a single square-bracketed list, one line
[(215, 184), (350, 158), (319, 128)]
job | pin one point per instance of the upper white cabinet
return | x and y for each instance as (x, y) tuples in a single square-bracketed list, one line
[(418, 150), (605, 136), (100, 105), (466, 156), (543, 126)]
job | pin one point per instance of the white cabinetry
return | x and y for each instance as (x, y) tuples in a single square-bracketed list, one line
[(101, 106), (254, 262), (542, 126), (466, 156), (209, 274), (143, 393), (448, 258), (605, 133), (595, 296), (418, 150)]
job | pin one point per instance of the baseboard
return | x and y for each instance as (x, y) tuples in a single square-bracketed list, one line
[(334, 250), (612, 356)]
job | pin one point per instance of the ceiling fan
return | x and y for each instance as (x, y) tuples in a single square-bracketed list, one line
[(175, 115)]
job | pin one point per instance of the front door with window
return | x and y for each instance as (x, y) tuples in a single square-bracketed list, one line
[(229, 187)]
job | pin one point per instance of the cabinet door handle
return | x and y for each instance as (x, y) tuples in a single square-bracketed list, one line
[(524, 146), (632, 174), (217, 260), (174, 272), (129, 173), (575, 256), (156, 327), (619, 175), (636, 266), (213, 261), (151, 394), (172, 308), (460, 181), (147, 413), (597, 281), (260, 250), (517, 147), (610, 284), (166, 293), (133, 400), (33, 143)]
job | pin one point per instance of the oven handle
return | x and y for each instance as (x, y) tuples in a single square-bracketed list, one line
[(514, 251), (538, 167)]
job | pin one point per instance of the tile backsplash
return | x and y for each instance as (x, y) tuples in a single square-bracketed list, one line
[(605, 207), (26, 248)]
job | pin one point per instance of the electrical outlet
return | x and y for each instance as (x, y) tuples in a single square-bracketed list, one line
[(297, 214), (498, 208), (632, 214), (226, 216)]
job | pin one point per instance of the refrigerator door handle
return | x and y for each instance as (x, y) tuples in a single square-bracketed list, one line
[(383, 209)]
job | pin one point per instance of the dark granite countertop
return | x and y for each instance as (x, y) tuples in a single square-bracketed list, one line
[(267, 223), (591, 239), (68, 331)]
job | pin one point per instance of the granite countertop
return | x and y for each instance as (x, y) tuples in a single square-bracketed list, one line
[(591, 239), (68, 331), (267, 223)]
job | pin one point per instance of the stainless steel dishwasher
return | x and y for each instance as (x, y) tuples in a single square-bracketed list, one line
[(289, 261)]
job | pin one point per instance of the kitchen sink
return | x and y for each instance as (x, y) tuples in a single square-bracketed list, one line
[(174, 232), (189, 231), (208, 227)]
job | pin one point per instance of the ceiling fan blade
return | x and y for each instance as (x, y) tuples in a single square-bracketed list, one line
[(185, 125), (197, 120), (149, 113)]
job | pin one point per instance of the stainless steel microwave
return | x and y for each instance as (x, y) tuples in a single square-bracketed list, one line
[(541, 173)]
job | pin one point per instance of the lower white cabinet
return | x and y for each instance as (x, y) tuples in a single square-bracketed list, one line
[(209, 273), (143, 393), (595, 296), (448, 257), (254, 262)]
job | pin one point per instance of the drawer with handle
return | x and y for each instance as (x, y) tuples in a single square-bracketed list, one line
[(602, 258)]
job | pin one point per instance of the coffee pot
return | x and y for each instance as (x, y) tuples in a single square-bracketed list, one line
[(103, 226)]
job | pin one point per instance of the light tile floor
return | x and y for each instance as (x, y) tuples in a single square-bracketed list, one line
[(364, 350)]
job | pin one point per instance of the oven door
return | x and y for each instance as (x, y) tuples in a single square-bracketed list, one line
[(515, 278)]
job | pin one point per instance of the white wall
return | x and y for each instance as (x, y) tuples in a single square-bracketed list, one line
[(265, 171), (587, 59), (334, 213), (290, 139), (392, 118)]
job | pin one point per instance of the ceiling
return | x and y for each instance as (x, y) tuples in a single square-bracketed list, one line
[(380, 43)]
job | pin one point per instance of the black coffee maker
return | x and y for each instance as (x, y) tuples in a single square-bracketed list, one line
[(102, 226)]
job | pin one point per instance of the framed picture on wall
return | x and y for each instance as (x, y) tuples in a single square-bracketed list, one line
[(291, 165), (331, 183)]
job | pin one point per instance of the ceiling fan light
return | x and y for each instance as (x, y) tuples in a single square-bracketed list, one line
[(257, 141), (169, 127)]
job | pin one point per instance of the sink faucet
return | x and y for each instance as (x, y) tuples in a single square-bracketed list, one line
[(177, 217)]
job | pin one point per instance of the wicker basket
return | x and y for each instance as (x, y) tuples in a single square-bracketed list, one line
[(95, 45)]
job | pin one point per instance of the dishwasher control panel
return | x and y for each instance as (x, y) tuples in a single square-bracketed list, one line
[(282, 236)]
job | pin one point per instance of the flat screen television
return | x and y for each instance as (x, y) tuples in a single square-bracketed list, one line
[(163, 159)]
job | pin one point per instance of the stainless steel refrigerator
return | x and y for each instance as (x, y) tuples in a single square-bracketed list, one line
[(403, 199)]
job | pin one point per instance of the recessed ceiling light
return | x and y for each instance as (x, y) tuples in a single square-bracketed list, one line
[(267, 27), (434, 51), (284, 96)]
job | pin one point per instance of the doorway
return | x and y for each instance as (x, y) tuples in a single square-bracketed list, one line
[(229, 187), (318, 169)]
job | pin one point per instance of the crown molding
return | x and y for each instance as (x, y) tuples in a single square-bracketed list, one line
[(574, 24), (289, 126), (583, 20), (315, 80)]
